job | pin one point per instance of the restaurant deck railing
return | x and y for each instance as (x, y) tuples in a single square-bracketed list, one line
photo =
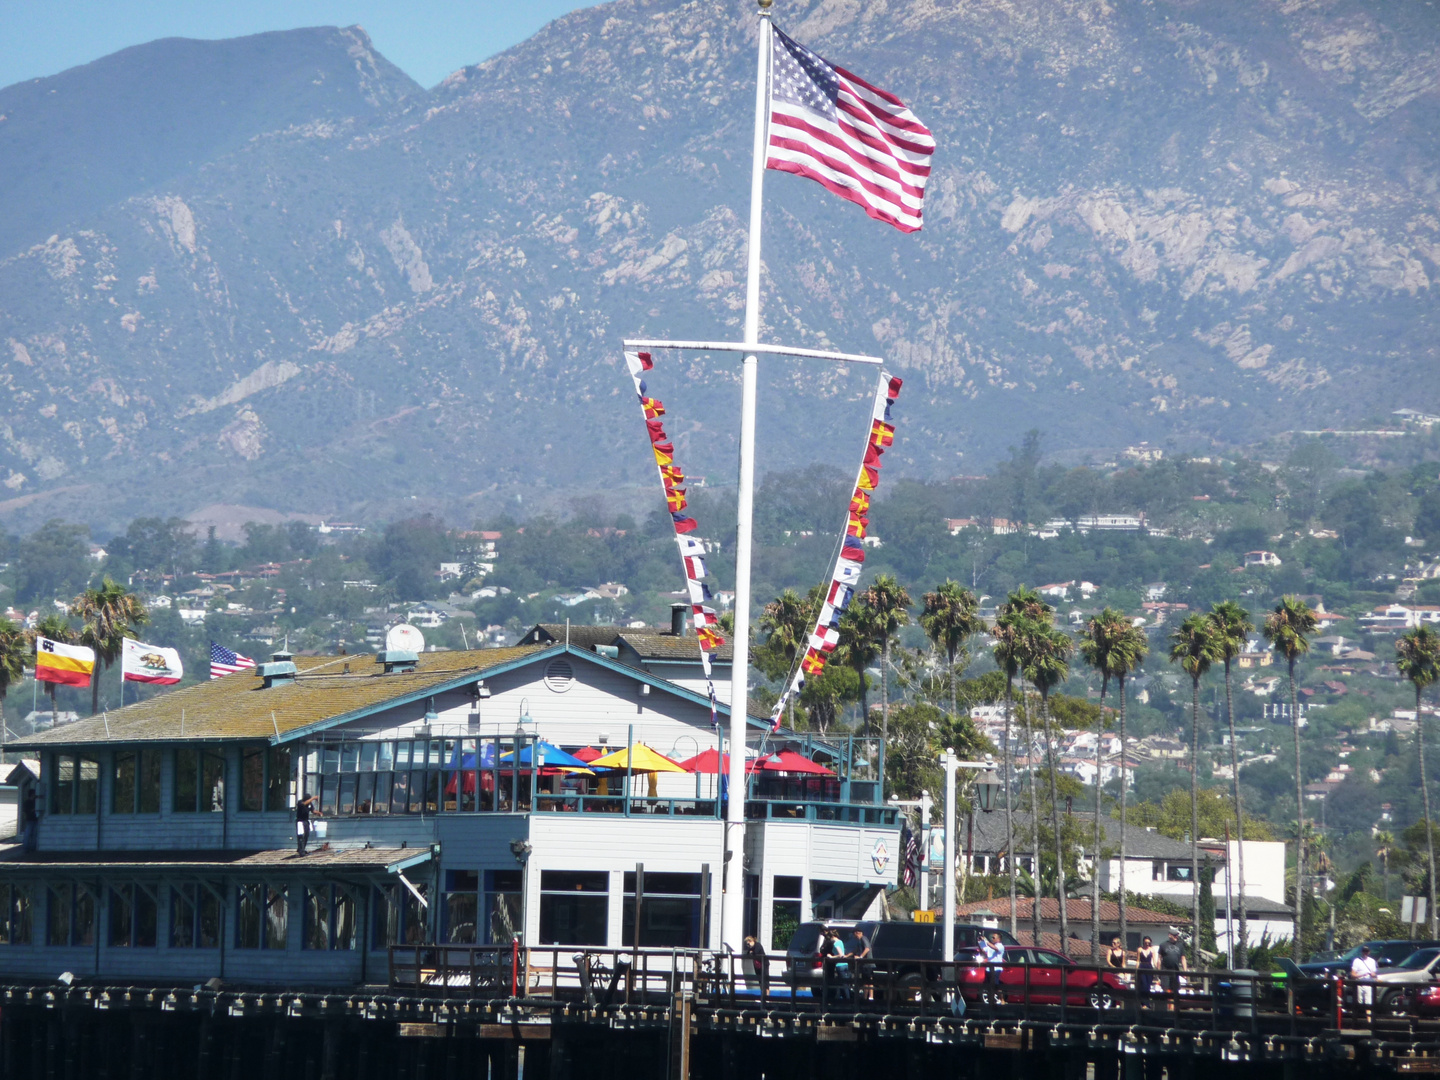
[(1268, 1004)]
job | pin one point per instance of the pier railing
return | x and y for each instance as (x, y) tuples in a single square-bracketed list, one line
[(1219, 1000)]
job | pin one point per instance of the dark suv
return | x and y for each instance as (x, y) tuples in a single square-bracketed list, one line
[(906, 947), (1385, 953), (802, 959)]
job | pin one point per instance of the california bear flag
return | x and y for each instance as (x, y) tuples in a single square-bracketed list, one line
[(151, 663)]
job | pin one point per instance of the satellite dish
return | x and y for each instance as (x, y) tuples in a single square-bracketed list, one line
[(405, 638)]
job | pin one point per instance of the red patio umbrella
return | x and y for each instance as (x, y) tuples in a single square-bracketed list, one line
[(704, 762), (588, 754), (788, 761)]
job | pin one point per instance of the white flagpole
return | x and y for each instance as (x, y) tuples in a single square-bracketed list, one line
[(732, 927)]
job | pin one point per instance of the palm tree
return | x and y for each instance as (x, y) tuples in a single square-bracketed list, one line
[(109, 614), (949, 618), (1048, 667), (13, 651), (56, 628), (1008, 634), (1101, 646), (1192, 646), (1417, 655), (859, 648), (890, 603), (787, 620), (1126, 655), (1230, 628), (1287, 628), (1384, 845), (1030, 612)]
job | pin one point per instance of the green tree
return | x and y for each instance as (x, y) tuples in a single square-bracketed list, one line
[(1008, 634), (1020, 615), (950, 617), (1288, 629), (859, 648), (1384, 848), (1106, 643), (108, 616), (1230, 628), (889, 605), (1417, 655), (1047, 666), (14, 649), (57, 628), (1192, 646), (52, 561), (786, 622)]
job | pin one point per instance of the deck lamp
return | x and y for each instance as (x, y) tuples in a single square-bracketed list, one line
[(986, 787)]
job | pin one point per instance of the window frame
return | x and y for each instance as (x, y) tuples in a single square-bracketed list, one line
[(196, 774), (135, 900), (266, 899), (568, 902), (188, 904), (145, 775), (76, 796), (276, 775), (327, 901)]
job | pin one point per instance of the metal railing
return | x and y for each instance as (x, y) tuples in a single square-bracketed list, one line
[(1272, 1004)]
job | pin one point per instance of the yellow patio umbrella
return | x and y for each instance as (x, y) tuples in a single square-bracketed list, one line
[(639, 758)]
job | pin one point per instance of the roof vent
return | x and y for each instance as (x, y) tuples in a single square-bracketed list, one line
[(677, 618), (280, 669), (559, 675), (397, 660)]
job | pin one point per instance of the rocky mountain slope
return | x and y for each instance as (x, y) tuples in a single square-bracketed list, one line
[(1158, 219)]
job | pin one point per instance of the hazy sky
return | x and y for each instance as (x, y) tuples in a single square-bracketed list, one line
[(427, 38)]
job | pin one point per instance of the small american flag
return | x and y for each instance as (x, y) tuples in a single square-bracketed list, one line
[(857, 140), (225, 662)]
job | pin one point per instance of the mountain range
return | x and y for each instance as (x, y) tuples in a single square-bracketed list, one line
[(274, 271)]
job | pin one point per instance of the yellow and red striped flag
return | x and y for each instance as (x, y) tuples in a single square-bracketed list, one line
[(56, 662)]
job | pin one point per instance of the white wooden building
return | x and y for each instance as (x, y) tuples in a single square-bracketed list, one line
[(167, 841)]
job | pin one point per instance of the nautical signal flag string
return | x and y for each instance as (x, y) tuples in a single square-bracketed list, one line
[(846, 576), (692, 550)]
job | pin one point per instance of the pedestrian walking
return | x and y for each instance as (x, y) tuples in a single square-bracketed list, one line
[(1147, 959), (1172, 962), (1362, 969)]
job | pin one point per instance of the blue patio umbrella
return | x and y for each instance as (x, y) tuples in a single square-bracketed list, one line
[(551, 757)]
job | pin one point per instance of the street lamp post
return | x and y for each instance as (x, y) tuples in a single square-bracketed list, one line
[(949, 764)]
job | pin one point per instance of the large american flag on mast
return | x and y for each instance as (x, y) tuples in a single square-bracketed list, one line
[(862, 143)]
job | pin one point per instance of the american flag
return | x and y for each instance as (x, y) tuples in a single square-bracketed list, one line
[(225, 662), (859, 141)]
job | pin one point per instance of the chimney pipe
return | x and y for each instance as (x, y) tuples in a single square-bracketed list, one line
[(678, 612)]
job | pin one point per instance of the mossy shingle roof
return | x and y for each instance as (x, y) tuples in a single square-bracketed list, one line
[(239, 706)]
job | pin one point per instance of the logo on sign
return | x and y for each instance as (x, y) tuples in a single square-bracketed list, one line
[(880, 856)]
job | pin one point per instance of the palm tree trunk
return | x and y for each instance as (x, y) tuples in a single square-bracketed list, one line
[(1034, 820), (1195, 823), (1238, 949), (1299, 822), (95, 688), (1095, 856), (1009, 808), (1425, 795), (885, 694), (1055, 820), (1124, 780), (954, 710)]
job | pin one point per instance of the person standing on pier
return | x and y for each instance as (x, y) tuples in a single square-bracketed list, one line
[(759, 962), (1172, 962), (1362, 969), (303, 809)]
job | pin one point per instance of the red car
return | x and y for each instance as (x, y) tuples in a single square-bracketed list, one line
[(1047, 968)]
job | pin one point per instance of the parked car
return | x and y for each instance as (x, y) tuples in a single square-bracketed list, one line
[(906, 949), (1424, 1001), (1419, 969), (803, 965), (1386, 954), (1047, 972)]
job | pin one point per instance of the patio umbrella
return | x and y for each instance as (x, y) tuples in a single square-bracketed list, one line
[(639, 758), (550, 757), (788, 761), (704, 762), (588, 754)]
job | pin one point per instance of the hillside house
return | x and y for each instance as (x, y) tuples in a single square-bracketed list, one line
[(1261, 558)]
